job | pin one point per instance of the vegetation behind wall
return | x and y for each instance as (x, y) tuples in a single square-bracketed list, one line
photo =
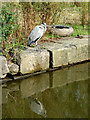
[(18, 19)]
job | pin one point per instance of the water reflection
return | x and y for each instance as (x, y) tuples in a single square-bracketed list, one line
[(37, 106), (0, 102), (34, 85), (51, 95)]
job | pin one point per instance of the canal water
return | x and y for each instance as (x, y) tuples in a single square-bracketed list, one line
[(57, 94)]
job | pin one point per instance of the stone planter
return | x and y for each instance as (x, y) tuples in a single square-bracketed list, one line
[(62, 30)]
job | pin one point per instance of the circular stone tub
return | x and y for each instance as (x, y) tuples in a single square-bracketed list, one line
[(62, 30)]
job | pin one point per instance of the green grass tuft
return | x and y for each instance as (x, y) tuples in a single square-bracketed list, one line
[(78, 30), (33, 46)]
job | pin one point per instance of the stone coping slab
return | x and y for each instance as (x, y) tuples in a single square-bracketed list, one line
[(67, 50)]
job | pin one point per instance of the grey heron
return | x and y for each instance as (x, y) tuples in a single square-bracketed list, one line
[(37, 33)]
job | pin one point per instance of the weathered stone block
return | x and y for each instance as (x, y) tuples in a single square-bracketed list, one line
[(13, 68), (68, 51), (72, 55), (3, 67), (59, 57), (31, 60), (82, 52)]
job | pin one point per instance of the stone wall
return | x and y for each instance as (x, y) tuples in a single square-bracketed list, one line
[(56, 53)]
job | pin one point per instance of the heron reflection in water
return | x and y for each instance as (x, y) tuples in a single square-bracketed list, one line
[(37, 107)]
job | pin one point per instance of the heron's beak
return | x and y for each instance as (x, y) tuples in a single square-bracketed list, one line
[(50, 26)]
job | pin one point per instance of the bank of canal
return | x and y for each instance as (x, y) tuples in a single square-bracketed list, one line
[(53, 54)]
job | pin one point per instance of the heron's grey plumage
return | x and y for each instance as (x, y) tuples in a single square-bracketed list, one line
[(36, 33)]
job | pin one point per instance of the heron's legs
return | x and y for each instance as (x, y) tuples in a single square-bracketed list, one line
[(36, 43), (37, 47)]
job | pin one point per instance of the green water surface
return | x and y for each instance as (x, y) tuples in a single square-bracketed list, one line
[(58, 94)]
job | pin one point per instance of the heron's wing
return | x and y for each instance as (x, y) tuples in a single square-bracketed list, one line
[(36, 33)]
